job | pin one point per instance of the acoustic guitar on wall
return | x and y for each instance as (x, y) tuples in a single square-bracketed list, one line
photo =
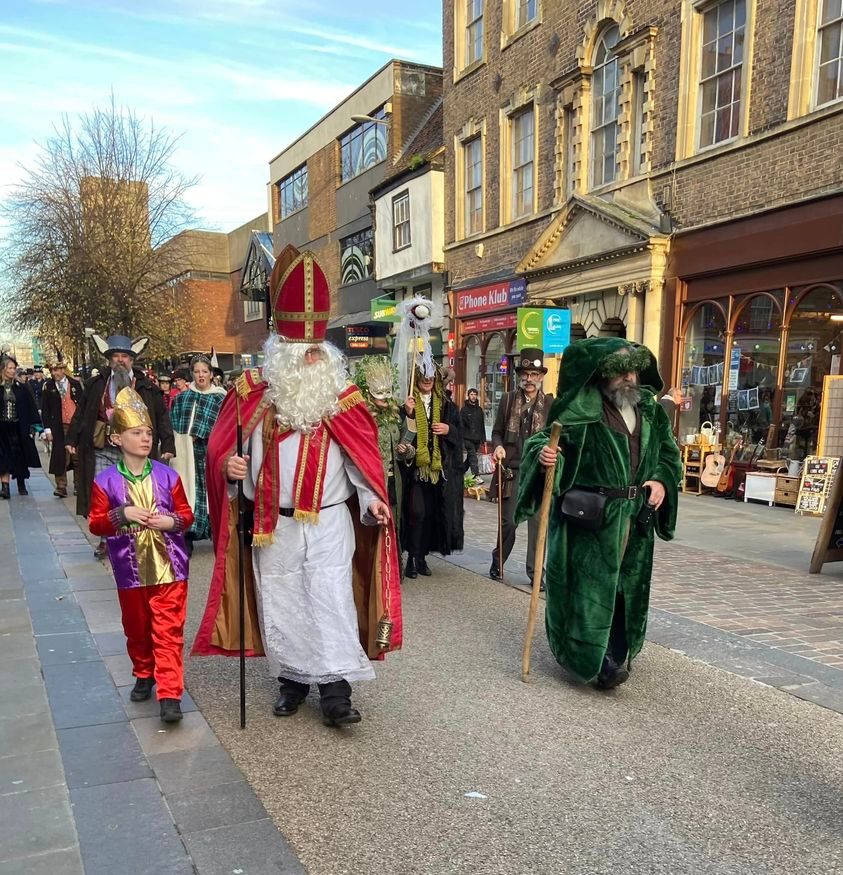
[(727, 478), (713, 470)]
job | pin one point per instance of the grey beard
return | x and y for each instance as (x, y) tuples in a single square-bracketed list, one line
[(121, 378), (623, 396)]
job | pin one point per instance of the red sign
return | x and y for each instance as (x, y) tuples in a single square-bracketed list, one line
[(489, 323), (483, 299), (357, 337)]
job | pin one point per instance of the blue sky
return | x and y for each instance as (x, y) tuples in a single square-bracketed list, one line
[(238, 79)]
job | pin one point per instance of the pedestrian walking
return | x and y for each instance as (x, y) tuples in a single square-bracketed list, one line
[(193, 414), (61, 396), (521, 413), (433, 508), (139, 506), (87, 437), (165, 384), (18, 418), (35, 385), (323, 570), (473, 431), (617, 471)]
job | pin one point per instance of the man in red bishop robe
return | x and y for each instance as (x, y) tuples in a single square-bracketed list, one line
[(323, 579)]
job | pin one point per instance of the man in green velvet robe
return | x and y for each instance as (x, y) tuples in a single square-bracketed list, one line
[(615, 437)]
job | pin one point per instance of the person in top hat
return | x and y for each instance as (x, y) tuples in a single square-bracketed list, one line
[(87, 437), (140, 507), (61, 396), (521, 413), (18, 418), (323, 579)]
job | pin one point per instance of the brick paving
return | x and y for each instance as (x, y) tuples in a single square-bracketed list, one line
[(790, 610)]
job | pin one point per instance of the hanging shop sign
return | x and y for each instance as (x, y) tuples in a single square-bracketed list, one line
[(384, 310), (548, 329), (498, 296), (488, 323)]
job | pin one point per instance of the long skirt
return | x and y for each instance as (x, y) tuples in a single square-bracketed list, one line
[(306, 601), (12, 456), (190, 464)]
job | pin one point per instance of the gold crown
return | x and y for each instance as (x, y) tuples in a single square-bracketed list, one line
[(129, 411)]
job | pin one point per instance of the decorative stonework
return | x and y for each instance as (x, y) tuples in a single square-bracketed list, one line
[(639, 287), (608, 11)]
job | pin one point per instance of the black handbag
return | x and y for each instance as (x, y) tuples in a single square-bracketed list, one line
[(583, 508)]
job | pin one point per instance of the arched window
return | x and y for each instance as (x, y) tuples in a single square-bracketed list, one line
[(493, 378), (703, 367), (605, 108), (613, 327)]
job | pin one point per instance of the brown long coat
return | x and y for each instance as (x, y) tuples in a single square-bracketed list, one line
[(51, 418)]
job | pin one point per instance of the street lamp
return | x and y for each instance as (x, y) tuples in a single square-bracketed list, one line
[(364, 119)]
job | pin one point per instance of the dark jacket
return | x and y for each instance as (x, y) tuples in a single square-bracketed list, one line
[(51, 417), (28, 418), (513, 444), (472, 422), (36, 389), (81, 432)]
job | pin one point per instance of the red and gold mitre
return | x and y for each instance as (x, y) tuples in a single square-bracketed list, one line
[(299, 296)]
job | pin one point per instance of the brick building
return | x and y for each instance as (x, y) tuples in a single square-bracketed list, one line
[(319, 185), (668, 171)]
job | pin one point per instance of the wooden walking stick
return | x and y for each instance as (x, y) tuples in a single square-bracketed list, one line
[(241, 569), (538, 557), (500, 517)]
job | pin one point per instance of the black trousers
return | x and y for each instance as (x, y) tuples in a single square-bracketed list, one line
[(422, 518), (509, 529), (618, 648), (471, 456), (332, 692)]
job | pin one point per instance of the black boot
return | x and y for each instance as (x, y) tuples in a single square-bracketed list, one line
[(292, 694), (171, 710), (422, 567), (335, 699), (409, 571), (22, 490), (188, 543), (142, 689), (494, 573), (611, 674), (4, 491)]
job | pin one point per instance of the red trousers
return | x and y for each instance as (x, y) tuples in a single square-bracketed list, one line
[(153, 620)]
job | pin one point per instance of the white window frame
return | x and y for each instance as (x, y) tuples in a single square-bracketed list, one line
[(599, 127), (519, 162), (636, 131), (521, 8), (474, 18), (401, 228), (252, 311), (469, 193), (836, 22)]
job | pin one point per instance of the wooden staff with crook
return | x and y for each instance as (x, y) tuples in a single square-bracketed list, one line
[(538, 558), (500, 517), (241, 569)]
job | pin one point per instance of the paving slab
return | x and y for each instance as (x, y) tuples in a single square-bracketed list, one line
[(105, 754), (255, 848), (102, 616), (67, 647), (21, 672), (150, 708), (210, 807), (14, 617), (65, 862), (30, 771), (82, 694), (25, 733), (110, 643), (52, 585), (96, 580), (49, 809), (194, 769), (156, 737), (120, 668), (52, 616), (16, 645), (127, 822)]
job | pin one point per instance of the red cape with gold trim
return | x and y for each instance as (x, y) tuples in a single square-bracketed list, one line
[(375, 566)]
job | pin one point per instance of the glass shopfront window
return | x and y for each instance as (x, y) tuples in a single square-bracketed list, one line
[(703, 367), (492, 389), (755, 360), (813, 350), (473, 357)]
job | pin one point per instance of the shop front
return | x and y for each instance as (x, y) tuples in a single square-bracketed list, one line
[(486, 329), (760, 327)]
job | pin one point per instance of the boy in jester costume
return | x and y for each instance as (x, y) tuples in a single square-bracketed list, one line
[(615, 438)]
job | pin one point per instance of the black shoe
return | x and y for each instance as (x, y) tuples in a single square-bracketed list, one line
[(100, 551), (409, 571), (494, 573), (340, 713), (287, 703), (188, 543), (142, 689), (611, 675), (60, 493), (22, 490), (4, 491), (171, 710), (423, 568)]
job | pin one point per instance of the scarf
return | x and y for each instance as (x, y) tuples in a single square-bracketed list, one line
[(428, 466), (513, 425)]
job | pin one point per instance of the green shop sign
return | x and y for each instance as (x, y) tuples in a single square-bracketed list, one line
[(384, 310), (546, 329)]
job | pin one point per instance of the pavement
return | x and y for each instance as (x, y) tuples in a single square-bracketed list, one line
[(694, 766)]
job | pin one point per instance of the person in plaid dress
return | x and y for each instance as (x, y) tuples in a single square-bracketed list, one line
[(193, 415)]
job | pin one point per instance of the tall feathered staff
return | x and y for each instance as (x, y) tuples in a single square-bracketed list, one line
[(412, 344)]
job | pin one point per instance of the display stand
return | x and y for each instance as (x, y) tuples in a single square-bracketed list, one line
[(829, 546), (815, 487)]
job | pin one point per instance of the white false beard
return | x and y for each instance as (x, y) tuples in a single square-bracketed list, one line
[(303, 394)]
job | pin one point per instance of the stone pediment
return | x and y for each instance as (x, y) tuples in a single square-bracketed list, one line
[(588, 230)]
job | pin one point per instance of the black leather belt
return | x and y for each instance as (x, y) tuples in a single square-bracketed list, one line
[(629, 492), (289, 511)]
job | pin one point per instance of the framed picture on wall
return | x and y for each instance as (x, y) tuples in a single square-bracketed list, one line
[(798, 375)]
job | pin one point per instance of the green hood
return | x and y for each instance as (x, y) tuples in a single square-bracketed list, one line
[(580, 362)]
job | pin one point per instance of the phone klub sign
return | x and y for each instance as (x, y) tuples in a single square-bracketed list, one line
[(504, 295)]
